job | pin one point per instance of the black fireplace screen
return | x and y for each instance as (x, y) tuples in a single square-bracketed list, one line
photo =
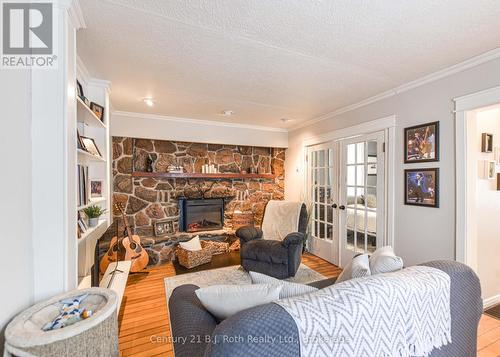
[(201, 214)]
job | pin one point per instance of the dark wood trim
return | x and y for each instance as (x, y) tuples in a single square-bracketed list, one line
[(221, 176)]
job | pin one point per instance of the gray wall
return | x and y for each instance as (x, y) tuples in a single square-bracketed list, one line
[(16, 267), (421, 234)]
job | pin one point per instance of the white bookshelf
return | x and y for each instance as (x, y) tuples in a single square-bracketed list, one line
[(84, 156), (93, 233), (99, 168), (87, 116)]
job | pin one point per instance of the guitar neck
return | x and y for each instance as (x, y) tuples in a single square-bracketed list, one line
[(122, 212), (129, 231)]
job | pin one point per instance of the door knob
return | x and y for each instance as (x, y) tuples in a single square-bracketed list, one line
[(342, 207), (334, 205)]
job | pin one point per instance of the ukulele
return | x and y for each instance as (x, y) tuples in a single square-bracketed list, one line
[(127, 248)]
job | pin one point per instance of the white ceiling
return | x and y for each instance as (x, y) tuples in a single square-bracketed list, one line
[(269, 59)]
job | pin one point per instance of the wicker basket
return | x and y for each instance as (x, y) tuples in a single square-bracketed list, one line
[(190, 259), (217, 247), (242, 219)]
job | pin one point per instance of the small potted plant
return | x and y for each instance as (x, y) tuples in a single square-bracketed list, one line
[(93, 213)]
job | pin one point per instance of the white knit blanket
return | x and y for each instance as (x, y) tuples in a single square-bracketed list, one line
[(280, 219), (403, 314)]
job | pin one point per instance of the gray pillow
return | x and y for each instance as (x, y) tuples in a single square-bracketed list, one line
[(358, 267), (223, 301), (288, 290), (383, 260)]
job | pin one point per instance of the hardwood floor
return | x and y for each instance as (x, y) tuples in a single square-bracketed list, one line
[(488, 337), (144, 323)]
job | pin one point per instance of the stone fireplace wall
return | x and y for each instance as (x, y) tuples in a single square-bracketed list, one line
[(147, 200)]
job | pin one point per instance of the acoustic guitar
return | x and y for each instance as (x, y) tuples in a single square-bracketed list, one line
[(127, 248)]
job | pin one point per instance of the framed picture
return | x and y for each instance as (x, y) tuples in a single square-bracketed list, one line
[(486, 142), (98, 110), (490, 169), (164, 227), (79, 142), (497, 155), (422, 143), (372, 166), (79, 90), (90, 146), (96, 187), (422, 187)]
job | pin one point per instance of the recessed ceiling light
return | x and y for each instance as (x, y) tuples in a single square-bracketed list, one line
[(227, 113), (286, 120), (149, 102)]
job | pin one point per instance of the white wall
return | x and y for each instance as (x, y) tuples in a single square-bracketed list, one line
[(16, 266), (421, 234), (147, 126), (487, 202), (34, 172)]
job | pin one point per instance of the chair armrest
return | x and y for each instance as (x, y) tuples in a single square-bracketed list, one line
[(295, 238), (189, 318), (248, 233)]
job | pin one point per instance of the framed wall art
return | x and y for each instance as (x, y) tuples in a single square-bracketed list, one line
[(421, 143), (422, 187)]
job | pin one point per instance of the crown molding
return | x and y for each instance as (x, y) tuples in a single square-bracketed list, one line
[(197, 121), (101, 83), (462, 66), (76, 15)]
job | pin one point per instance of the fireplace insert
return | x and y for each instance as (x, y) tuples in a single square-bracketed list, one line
[(201, 214)]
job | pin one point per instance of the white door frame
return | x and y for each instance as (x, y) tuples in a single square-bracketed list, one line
[(463, 105), (387, 124)]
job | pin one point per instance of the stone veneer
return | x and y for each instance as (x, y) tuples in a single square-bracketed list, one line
[(147, 200)]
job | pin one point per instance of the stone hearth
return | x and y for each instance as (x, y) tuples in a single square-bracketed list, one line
[(147, 200), (151, 199)]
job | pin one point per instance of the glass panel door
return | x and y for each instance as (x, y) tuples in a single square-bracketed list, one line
[(362, 195), (322, 193)]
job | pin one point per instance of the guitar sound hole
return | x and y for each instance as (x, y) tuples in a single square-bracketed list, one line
[(133, 245)]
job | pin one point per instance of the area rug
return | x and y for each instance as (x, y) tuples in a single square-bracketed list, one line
[(232, 275)]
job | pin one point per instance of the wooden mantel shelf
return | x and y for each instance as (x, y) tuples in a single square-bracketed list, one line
[(228, 175)]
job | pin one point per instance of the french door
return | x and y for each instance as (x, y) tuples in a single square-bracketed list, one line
[(362, 193), (346, 194), (323, 193)]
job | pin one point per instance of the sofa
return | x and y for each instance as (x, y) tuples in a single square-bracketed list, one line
[(196, 332), (279, 259)]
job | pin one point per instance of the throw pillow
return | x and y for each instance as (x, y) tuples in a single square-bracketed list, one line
[(371, 201), (288, 289), (70, 312), (192, 245), (383, 260), (358, 267), (223, 301)]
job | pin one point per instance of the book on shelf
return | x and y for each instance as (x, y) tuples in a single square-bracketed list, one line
[(82, 226), (83, 185)]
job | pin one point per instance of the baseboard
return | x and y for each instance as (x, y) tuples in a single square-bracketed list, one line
[(491, 301)]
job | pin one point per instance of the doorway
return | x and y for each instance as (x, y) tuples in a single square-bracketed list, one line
[(347, 196), (477, 191)]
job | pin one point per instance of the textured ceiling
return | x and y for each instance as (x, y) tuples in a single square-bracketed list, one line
[(269, 59)]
